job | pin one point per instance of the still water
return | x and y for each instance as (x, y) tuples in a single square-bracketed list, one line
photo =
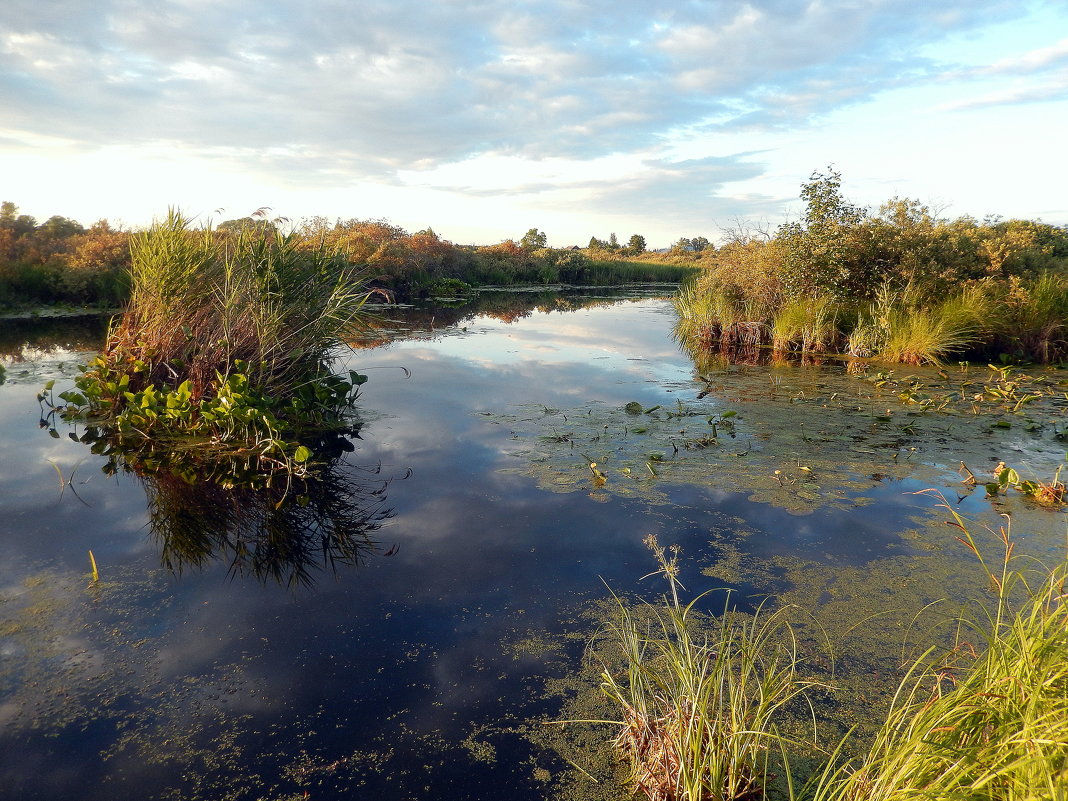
[(395, 661)]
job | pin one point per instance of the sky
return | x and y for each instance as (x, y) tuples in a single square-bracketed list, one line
[(484, 118)]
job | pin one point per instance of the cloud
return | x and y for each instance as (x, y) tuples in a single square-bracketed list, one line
[(1049, 93), (331, 93), (1035, 61), (409, 82)]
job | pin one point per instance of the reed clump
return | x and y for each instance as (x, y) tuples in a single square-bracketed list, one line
[(911, 324), (987, 721), (228, 335), (698, 709), (911, 327), (807, 325)]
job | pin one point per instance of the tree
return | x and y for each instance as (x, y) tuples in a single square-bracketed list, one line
[(636, 244), (56, 227), (613, 243), (11, 220), (533, 239), (820, 254), (699, 243), (253, 224)]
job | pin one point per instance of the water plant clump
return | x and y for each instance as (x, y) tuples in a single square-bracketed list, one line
[(698, 710), (228, 337), (986, 720)]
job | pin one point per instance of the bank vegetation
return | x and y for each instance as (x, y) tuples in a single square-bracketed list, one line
[(900, 284), (60, 262)]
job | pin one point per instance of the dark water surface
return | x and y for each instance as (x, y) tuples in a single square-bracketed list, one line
[(405, 675)]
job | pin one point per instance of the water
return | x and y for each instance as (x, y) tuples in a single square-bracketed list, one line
[(415, 668)]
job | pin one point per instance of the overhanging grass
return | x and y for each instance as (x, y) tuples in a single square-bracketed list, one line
[(698, 710), (991, 725), (1026, 320)]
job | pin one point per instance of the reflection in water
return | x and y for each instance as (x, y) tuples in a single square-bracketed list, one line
[(390, 323), (24, 339), (281, 533), (745, 345), (282, 527)]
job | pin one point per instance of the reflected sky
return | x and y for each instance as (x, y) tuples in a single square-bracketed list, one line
[(367, 684)]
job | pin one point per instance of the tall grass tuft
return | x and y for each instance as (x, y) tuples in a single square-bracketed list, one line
[(1036, 318), (808, 324), (697, 708), (907, 327), (202, 302), (992, 726), (702, 310), (709, 311)]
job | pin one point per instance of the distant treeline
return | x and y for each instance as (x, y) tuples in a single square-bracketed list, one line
[(901, 284), (60, 261)]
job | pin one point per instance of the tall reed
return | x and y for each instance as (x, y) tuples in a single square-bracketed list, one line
[(808, 324), (1035, 323), (697, 709), (991, 726), (203, 302), (906, 326)]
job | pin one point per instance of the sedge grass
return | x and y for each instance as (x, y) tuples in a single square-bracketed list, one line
[(698, 709), (228, 337), (907, 327), (989, 725), (808, 324), (1036, 318), (202, 301), (987, 721)]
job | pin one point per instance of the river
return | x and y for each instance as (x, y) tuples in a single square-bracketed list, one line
[(415, 655)]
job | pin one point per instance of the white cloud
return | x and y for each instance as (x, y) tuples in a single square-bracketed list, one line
[(330, 94)]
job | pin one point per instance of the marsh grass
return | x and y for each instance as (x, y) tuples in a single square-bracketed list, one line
[(202, 301), (914, 323), (228, 337), (701, 700), (1035, 321), (710, 313), (808, 324), (627, 272), (909, 327), (698, 708), (925, 333), (990, 721)]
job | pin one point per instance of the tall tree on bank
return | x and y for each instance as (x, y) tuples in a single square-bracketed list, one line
[(818, 248)]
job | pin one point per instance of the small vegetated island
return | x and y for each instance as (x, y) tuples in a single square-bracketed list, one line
[(223, 352)]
